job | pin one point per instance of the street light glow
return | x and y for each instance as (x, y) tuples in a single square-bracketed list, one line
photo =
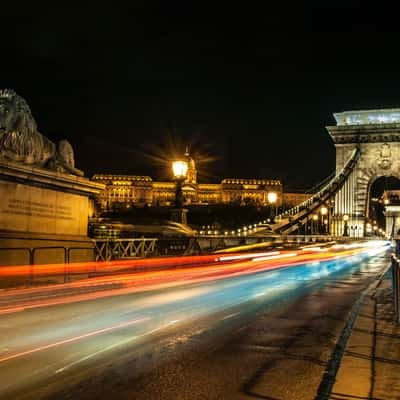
[(179, 169), (272, 197)]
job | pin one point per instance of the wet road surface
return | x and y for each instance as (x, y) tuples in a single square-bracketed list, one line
[(266, 335)]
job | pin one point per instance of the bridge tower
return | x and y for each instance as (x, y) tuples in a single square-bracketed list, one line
[(376, 133)]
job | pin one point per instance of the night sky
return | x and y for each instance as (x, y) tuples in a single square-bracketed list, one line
[(250, 89)]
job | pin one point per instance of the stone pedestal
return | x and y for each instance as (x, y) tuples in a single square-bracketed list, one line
[(179, 215), (44, 215)]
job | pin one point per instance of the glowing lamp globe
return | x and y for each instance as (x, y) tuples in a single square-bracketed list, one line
[(324, 210), (179, 169), (272, 197), (345, 217)]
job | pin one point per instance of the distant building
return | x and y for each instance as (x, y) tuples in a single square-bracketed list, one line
[(132, 190), (293, 199)]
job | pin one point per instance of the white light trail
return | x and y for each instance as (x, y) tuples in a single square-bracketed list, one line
[(288, 255), (247, 255), (73, 339)]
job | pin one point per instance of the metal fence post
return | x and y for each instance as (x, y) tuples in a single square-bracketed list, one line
[(31, 262), (396, 288), (397, 305)]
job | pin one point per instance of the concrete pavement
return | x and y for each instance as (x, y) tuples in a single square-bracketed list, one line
[(370, 367)]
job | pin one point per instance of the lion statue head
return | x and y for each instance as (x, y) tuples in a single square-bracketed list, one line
[(15, 114), (19, 139)]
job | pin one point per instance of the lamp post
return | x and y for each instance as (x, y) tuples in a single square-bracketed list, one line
[(315, 225), (272, 199), (368, 229), (179, 169), (325, 222), (346, 226)]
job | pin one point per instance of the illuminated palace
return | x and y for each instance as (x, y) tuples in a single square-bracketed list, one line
[(132, 190)]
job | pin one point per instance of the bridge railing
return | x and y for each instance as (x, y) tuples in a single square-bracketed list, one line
[(30, 255), (109, 249), (288, 221), (316, 188), (396, 286), (346, 170)]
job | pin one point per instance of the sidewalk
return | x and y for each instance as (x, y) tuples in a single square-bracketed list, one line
[(370, 367)]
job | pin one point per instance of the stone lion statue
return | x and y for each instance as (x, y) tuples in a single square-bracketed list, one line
[(20, 140)]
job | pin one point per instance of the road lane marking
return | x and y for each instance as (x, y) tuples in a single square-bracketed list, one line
[(131, 339), (73, 339), (230, 316), (94, 354)]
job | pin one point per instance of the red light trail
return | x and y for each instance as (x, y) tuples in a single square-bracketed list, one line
[(186, 270)]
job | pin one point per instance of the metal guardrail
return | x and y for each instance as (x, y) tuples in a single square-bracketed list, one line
[(104, 249), (211, 243), (71, 249), (110, 249), (27, 249), (316, 188), (308, 238), (396, 286), (32, 251)]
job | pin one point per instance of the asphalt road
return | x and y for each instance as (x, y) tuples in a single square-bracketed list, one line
[(265, 335)]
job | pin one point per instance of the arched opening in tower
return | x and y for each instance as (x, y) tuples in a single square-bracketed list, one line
[(384, 191)]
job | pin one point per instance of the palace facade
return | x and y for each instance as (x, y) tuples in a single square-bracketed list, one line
[(132, 190)]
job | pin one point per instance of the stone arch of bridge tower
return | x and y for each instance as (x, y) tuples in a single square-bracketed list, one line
[(370, 168), (353, 198), (376, 133)]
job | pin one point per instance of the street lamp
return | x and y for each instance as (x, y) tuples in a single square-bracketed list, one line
[(324, 211), (315, 224), (179, 169), (272, 199), (346, 227)]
